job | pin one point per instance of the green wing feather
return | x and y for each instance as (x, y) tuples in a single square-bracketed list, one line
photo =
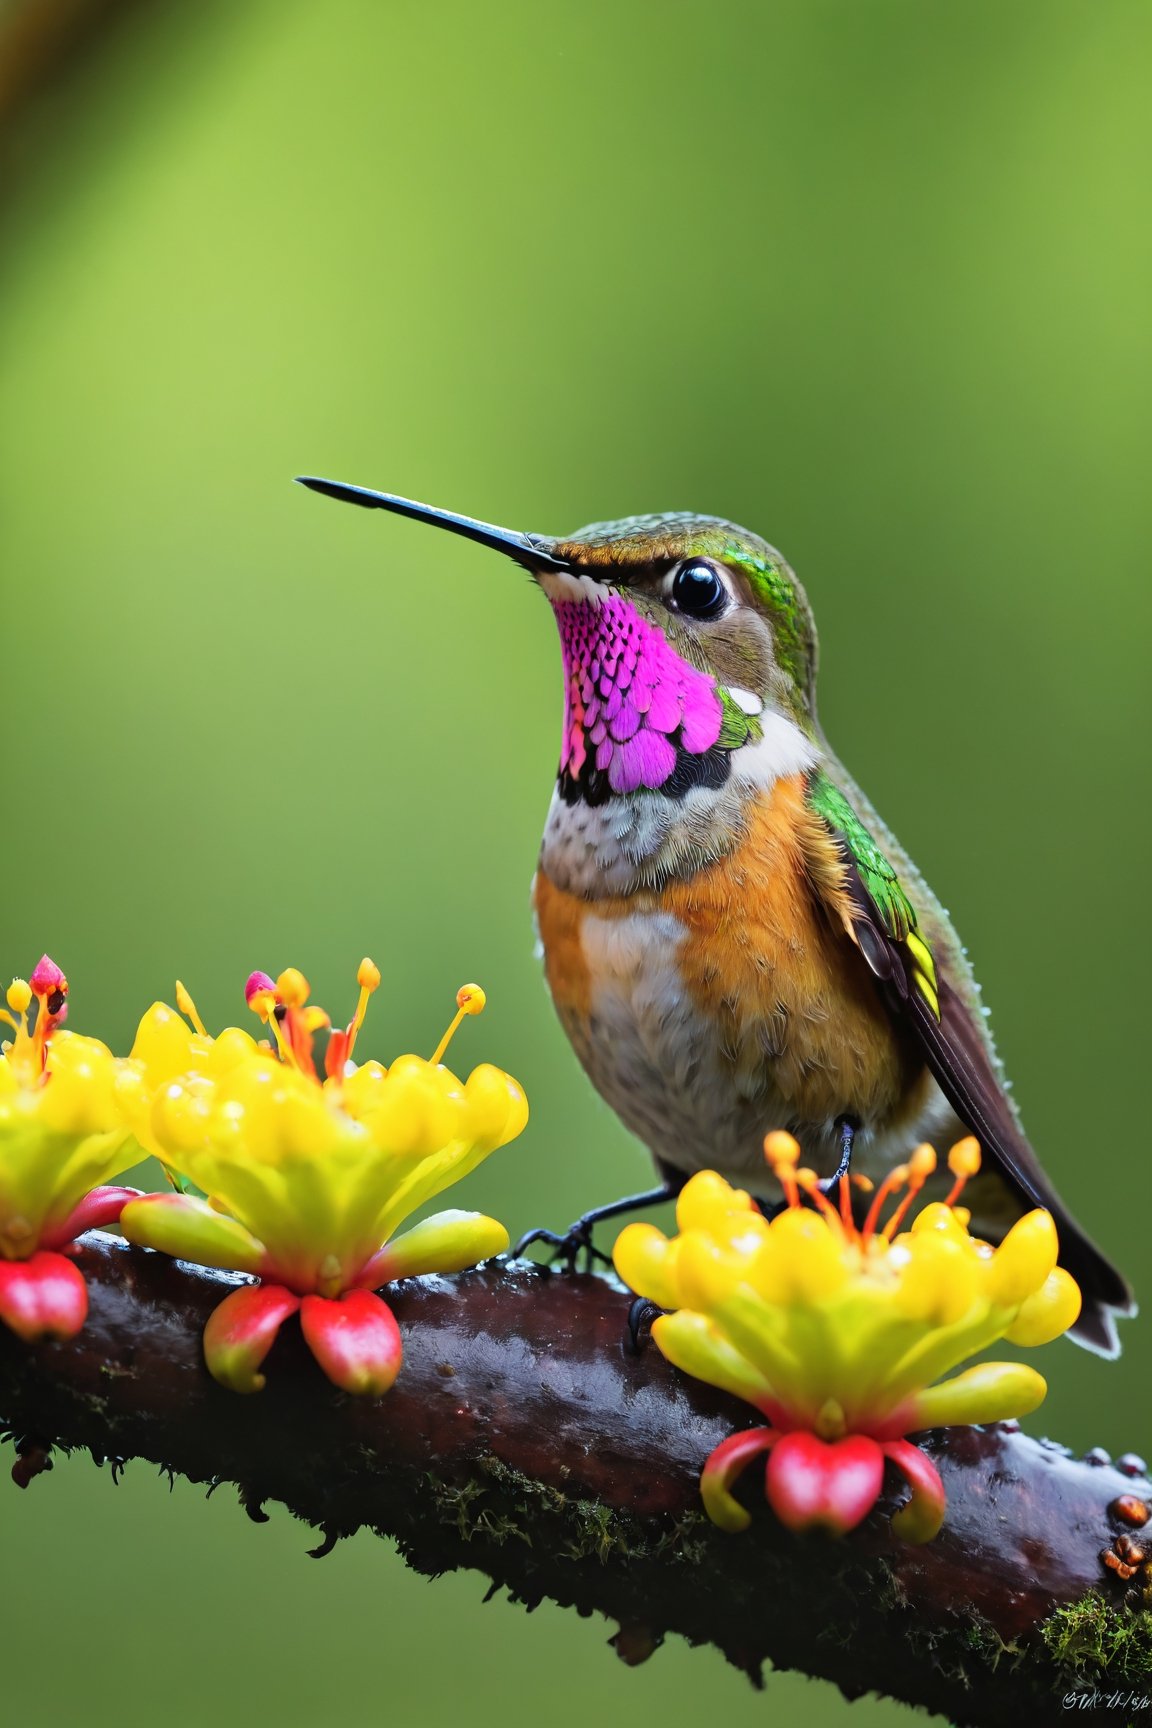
[(891, 905), (957, 1051)]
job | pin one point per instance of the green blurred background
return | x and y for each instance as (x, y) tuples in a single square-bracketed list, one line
[(873, 278)]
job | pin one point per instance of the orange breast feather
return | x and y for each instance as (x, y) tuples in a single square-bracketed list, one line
[(767, 962)]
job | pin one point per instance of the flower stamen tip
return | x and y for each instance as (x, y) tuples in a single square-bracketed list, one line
[(259, 985), (188, 1008), (922, 1163), (964, 1158), (964, 1163), (19, 995), (781, 1151), (470, 999), (292, 988), (47, 979), (368, 975)]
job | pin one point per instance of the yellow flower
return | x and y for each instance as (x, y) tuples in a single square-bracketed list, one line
[(165, 1047), (308, 1179), (837, 1332), (61, 1134)]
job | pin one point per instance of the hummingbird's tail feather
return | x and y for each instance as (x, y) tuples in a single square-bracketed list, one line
[(1107, 1296), (1096, 1327), (956, 1051), (958, 1058)]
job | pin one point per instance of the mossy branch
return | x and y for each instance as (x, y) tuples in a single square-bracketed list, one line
[(524, 1438)]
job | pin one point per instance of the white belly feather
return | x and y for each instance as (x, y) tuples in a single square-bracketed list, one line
[(660, 1064)]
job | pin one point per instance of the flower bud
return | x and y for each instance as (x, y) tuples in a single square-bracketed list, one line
[(1048, 1312), (1023, 1260)]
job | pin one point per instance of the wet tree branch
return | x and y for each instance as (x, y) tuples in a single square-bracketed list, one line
[(526, 1440)]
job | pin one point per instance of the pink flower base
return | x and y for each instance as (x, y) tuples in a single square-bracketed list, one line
[(102, 1206), (825, 1484), (42, 1298), (354, 1337), (813, 1482)]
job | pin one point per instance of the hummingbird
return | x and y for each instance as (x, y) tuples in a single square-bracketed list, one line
[(733, 939)]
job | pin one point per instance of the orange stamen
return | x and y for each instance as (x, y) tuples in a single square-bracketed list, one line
[(336, 1054), (920, 1166), (18, 997), (283, 1044), (894, 1180), (264, 1004), (368, 978), (47, 983), (810, 1183), (963, 1162), (783, 1154), (470, 999)]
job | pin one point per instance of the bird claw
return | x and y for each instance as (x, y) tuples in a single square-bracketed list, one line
[(567, 1246), (830, 1187), (577, 1239), (641, 1314)]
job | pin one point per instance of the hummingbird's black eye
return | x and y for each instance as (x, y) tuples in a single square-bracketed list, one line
[(698, 591)]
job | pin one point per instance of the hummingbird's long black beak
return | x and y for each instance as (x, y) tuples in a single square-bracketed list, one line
[(534, 551)]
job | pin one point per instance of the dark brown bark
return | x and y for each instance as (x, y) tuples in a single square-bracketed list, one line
[(524, 1438)]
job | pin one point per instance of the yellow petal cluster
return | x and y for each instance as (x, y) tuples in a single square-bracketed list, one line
[(61, 1134), (165, 1048), (839, 1330), (307, 1179)]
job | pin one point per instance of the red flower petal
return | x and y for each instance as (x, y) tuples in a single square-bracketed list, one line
[(355, 1339), (102, 1206), (812, 1482), (723, 1466), (921, 1517), (42, 1297), (240, 1333)]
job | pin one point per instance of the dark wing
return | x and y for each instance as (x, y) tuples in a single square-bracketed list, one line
[(886, 930)]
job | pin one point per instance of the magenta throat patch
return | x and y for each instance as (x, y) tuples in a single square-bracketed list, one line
[(630, 701)]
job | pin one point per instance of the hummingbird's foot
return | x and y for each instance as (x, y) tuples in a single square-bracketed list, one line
[(849, 1128), (640, 1315), (567, 1247), (577, 1239)]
